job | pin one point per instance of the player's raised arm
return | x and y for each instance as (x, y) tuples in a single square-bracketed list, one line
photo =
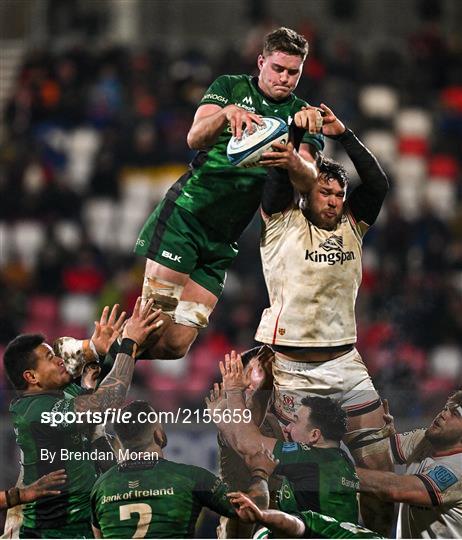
[(210, 120), (113, 389), (241, 432), (366, 200), (282, 525)]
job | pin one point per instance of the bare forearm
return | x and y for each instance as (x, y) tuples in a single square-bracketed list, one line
[(393, 487), (257, 403), (303, 176), (112, 390), (205, 131), (259, 492), (244, 437), (282, 524)]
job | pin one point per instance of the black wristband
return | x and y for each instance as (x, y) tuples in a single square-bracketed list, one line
[(260, 473), (258, 477), (128, 346), (114, 349)]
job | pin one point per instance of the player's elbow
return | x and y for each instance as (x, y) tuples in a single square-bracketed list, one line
[(193, 140)]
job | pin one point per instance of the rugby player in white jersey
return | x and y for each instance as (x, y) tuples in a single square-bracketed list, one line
[(311, 249), (430, 492)]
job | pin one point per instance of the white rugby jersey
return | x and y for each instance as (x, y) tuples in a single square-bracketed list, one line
[(313, 276), (441, 473)]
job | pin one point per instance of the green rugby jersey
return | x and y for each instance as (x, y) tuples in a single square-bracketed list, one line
[(220, 195), (320, 479), (320, 526), (155, 499), (34, 437)]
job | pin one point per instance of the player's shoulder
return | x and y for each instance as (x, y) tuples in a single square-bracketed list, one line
[(31, 406), (232, 80), (289, 449), (185, 470), (105, 477)]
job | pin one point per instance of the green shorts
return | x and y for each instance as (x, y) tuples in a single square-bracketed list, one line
[(174, 238)]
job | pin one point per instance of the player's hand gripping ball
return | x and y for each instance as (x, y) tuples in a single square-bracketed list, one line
[(247, 151)]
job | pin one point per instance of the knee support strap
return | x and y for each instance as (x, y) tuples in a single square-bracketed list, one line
[(165, 294), (192, 314)]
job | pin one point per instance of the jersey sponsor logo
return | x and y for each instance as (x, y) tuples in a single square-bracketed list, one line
[(136, 493), (140, 242), (168, 255), (354, 484), (247, 100), (333, 243), (216, 97), (335, 254), (242, 105), (132, 484), (289, 447), (442, 476)]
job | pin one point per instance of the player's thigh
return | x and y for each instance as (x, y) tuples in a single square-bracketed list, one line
[(169, 240), (376, 455), (210, 272)]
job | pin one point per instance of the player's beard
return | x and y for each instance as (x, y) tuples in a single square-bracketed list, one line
[(315, 218), (441, 441)]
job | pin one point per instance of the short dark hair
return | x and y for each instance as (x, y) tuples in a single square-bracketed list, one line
[(246, 356), (332, 169), (327, 415), (19, 356), (456, 397), (134, 434), (287, 41)]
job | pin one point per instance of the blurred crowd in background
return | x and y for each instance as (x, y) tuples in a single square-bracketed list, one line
[(94, 137)]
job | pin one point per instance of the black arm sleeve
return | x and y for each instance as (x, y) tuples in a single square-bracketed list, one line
[(366, 200), (278, 193)]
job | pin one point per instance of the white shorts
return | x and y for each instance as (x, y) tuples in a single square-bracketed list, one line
[(345, 379)]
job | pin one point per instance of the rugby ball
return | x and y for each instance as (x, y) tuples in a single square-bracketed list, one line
[(247, 151)]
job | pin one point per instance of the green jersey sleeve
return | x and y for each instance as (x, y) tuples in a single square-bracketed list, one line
[(321, 526), (219, 92), (211, 492)]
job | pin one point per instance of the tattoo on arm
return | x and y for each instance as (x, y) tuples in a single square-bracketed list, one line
[(113, 389)]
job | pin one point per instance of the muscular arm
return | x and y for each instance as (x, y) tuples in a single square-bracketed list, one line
[(389, 486), (112, 390), (366, 200), (283, 525), (207, 125), (210, 120), (244, 437)]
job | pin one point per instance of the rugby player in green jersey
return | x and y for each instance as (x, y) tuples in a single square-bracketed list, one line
[(319, 475), (52, 425), (305, 524), (147, 496), (189, 241)]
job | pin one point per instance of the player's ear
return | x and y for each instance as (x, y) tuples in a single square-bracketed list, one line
[(30, 376), (160, 437), (260, 61)]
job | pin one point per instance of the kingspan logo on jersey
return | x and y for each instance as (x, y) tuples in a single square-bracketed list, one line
[(335, 254)]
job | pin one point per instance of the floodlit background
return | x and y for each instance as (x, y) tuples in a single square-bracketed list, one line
[(97, 97)]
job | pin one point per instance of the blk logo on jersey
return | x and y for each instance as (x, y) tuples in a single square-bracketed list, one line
[(335, 253)]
